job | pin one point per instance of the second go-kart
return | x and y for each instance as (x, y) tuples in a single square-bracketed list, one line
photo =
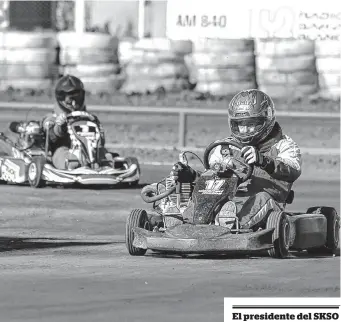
[(29, 159), (192, 218)]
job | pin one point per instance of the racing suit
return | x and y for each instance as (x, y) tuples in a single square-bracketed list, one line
[(269, 186), (60, 142)]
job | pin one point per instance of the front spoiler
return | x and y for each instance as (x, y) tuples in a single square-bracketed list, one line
[(90, 177), (159, 241)]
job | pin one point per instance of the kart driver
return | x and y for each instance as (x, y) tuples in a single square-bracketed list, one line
[(277, 159), (70, 96)]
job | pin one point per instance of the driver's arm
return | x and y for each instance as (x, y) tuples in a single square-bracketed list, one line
[(54, 130), (286, 166)]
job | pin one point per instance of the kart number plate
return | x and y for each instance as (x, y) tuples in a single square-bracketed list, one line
[(213, 187)]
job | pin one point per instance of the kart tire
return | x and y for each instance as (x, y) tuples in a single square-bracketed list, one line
[(333, 231), (280, 236), (287, 91), (287, 64), (225, 75), (137, 218), (329, 80), (130, 161), (216, 60), (150, 71), (24, 40), (224, 46), (2, 181), (286, 79), (181, 47), (35, 172), (284, 47), (222, 89), (327, 48), (152, 86)]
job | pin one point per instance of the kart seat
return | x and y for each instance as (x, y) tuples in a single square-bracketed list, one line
[(290, 197)]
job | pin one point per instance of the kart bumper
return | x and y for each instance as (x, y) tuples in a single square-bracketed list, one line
[(255, 241), (90, 177)]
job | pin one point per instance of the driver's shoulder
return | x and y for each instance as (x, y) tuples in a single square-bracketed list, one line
[(286, 143)]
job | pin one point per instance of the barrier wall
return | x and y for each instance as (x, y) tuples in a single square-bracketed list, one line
[(286, 67), (92, 57), (328, 64), (282, 67), (157, 64), (27, 60), (222, 67)]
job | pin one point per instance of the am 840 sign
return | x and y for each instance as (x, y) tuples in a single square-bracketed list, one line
[(202, 21)]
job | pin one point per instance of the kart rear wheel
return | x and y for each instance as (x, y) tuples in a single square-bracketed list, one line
[(280, 236), (35, 172), (137, 219), (333, 231)]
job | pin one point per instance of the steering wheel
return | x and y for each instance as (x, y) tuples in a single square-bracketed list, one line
[(79, 115), (244, 173)]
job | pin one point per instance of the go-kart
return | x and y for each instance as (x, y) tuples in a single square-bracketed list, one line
[(191, 218), (29, 159)]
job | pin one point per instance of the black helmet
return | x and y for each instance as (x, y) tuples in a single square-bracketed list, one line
[(251, 115), (70, 94)]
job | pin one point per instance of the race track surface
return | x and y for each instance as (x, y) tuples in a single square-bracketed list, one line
[(62, 258)]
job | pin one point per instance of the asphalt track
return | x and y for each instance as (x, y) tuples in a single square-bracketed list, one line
[(62, 258)]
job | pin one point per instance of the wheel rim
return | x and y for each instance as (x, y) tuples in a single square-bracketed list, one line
[(32, 171), (286, 233)]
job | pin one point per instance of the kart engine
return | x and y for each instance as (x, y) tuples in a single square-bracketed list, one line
[(30, 134), (175, 204)]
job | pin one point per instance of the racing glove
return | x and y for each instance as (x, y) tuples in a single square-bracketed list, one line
[(60, 125), (253, 156), (183, 173)]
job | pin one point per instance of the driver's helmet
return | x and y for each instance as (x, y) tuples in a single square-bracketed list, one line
[(70, 94), (251, 116)]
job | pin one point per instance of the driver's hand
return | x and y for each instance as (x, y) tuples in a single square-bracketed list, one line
[(60, 128), (183, 173), (61, 119), (252, 155)]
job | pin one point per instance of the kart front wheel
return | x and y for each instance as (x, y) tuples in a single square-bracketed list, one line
[(333, 231), (130, 161), (280, 236), (137, 219), (35, 172)]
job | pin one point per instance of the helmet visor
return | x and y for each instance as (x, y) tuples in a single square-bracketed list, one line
[(247, 127), (72, 100)]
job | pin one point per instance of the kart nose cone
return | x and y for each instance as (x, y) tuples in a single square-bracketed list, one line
[(196, 231)]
